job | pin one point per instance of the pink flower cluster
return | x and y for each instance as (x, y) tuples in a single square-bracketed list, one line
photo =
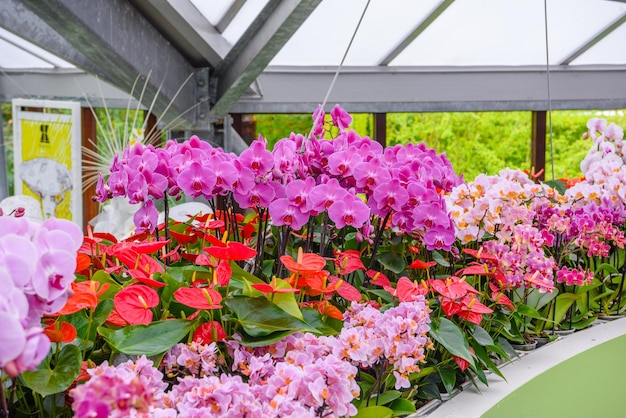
[(602, 167), (129, 389), (352, 178), (494, 205), (193, 359), (397, 336), (523, 259), (37, 263), (573, 276)]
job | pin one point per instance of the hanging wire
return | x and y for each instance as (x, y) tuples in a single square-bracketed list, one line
[(545, 17), (343, 59)]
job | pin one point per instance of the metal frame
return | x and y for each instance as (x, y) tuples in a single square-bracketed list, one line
[(112, 39), (438, 89)]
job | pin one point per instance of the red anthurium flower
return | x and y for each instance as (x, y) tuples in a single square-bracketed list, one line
[(325, 308), (461, 362), (307, 263), (407, 290), (222, 273), (378, 278), (481, 255), (209, 332), (134, 303), (477, 269), (83, 261), (422, 265), (500, 298), (199, 297), (134, 260), (452, 287), (115, 319), (348, 261), (345, 289), (472, 310), (183, 238), (231, 251), (85, 296), (60, 332), (145, 278), (272, 287)]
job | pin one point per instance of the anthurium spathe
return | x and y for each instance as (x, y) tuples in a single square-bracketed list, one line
[(85, 296), (199, 297), (134, 304), (348, 261), (305, 264), (453, 287), (60, 332), (234, 251), (209, 332)]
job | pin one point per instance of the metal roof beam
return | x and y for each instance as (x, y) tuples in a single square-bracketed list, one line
[(267, 34), (229, 15), (63, 84), (437, 89), (594, 39), (126, 48), (192, 34), (421, 27)]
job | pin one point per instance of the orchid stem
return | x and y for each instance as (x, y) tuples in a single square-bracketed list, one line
[(379, 235)]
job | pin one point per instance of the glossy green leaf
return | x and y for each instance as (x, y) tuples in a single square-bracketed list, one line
[(481, 336), (452, 338), (402, 406), (240, 274), (286, 301), (392, 262), (483, 355), (151, 339), (529, 312), (47, 380), (103, 277), (272, 338), (448, 377), (374, 411), (260, 317), (440, 259), (385, 397), (314, 318)]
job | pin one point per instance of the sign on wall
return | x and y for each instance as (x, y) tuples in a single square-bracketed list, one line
[(47, 150)]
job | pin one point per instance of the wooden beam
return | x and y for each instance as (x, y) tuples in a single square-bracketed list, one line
[(380, 128), (91, 208), (538, 143)]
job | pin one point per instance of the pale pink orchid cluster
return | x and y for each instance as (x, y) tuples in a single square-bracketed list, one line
[(37, 263)]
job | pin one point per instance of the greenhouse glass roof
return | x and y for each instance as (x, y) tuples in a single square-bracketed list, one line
[(280, 56)]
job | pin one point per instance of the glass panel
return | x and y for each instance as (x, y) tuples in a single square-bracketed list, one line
[(15, 54), (495, 32), (610, 50), (213, 10), (249, 11), (324, 36)]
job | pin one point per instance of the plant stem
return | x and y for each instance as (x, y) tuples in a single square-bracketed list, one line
[(377, 239), (5, 409)]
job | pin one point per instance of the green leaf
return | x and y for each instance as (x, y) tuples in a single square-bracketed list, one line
[(483, 355), (439, 259), (314, 318), (103, 277), (286, 301), (151, 339), (102, 312), (47, 380), (272, 338), (557, 185), (385, 397), (611, 269), (402, 406), (452, 338), (481, 336), (392, 262), (448, 377), (240, 274), (374, 411), (259, 317), (529, 312)]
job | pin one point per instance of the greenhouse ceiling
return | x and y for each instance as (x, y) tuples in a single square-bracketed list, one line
[(198, 60)]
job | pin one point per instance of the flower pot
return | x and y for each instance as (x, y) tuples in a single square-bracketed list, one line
[(610, 317), (563, 332), (541, 341), (525, 347)]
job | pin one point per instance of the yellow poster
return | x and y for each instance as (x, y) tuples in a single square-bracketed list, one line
[(47, 154)]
